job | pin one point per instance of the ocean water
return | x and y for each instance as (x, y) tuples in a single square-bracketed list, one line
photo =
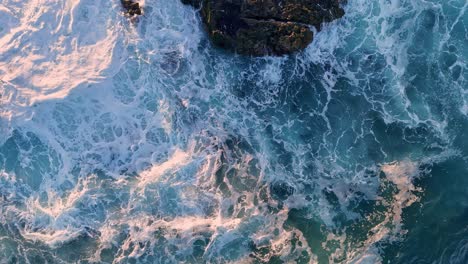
[(136, 141)]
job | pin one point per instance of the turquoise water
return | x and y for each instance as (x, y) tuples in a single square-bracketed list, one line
[(353, 151)]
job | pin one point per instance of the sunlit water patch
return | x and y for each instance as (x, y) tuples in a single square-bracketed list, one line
[(138, 142)]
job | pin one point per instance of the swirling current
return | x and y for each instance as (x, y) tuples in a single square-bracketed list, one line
[(137, 141)]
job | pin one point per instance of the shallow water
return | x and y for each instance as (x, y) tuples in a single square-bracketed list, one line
[(138, 142)]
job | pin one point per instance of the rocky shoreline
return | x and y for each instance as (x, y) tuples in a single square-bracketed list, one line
[(259, 27), (265, 27)]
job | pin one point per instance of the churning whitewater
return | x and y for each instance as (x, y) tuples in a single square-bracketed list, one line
[(136, 141)]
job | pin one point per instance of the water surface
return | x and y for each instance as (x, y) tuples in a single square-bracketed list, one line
[(138, 142)]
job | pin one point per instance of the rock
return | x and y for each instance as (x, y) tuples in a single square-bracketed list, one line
[(265, 27), (195, 3), (131, 8)]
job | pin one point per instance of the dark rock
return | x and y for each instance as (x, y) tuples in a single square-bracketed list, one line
[(195, 3), (131, 8), (265, 27)]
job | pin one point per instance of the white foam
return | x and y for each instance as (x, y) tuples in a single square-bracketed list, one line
[(48, 50), (178, 159), (149, 106), (56, 222), (402, 175)]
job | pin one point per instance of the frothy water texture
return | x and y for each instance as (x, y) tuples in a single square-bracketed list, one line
[(126, 141)]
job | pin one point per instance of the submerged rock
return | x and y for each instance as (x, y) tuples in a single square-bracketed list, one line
[(265, 27), (131, 7)]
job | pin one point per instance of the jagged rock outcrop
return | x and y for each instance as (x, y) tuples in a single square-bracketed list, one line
[(265, 27), (131, 7)]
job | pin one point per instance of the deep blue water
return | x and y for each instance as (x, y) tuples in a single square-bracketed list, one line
[(353, 151)]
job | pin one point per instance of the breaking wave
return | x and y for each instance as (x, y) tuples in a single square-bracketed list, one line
[(138, 142)]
